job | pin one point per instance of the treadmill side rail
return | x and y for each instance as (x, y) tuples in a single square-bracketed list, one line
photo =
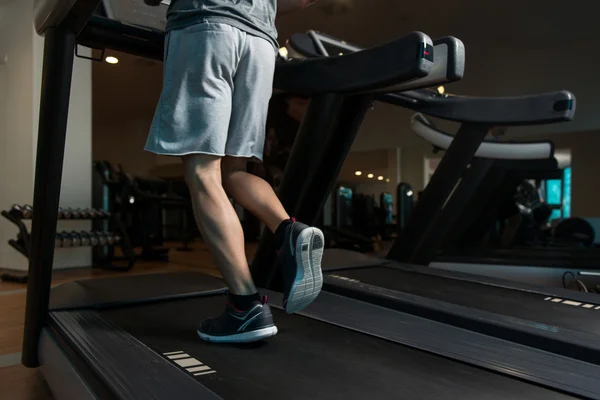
[(548, 338), (488, 352), (59, 371), (125, 365)]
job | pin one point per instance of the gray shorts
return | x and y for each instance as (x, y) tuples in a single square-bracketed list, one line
[(217, 84)]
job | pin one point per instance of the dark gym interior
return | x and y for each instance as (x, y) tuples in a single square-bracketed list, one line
[(459, 202)]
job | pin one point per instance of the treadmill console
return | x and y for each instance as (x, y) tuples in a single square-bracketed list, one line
[(135, 12)]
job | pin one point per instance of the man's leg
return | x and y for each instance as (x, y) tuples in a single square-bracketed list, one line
[(300, 246), (252, 193), (218, 222), (247, 318)]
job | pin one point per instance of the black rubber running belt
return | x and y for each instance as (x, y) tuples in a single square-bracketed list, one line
[(309, 359)]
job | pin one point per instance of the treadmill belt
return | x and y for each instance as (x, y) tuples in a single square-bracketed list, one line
[(309, 359), (514, 303)]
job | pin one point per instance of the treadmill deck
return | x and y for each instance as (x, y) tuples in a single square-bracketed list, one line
[(309, 359)]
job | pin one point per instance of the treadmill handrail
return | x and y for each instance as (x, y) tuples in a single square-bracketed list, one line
[(54, 13), (449, 57), (537, 109), (106, 33), (494, 150), (371, 70)]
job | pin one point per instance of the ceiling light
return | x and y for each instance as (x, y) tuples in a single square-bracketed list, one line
[(111, 60), (358, 173), (370, 176), (388, 180), (380, 178), (283, 53), (409, 193), (441, 90)]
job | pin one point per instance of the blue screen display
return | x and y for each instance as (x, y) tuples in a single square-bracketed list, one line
[(558, 192), (567, 193)]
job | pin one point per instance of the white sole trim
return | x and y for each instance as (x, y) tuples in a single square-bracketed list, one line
[(244, 337), (309, 277)]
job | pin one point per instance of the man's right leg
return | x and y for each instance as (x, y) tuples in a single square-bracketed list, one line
[(300, 246), (252, 193)]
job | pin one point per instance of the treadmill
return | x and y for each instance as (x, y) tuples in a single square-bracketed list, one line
[(553, 320), (484, 193), (133, 337)]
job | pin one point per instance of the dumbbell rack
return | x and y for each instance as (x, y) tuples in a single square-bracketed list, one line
[(66, 240)]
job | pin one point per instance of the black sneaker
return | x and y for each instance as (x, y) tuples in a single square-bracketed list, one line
[(300, 257), (234, 326)]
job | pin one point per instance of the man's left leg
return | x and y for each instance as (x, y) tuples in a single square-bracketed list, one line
[(247, 317), (300, 247)]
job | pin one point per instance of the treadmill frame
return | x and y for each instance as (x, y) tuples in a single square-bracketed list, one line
[(59, 53), (81, 336)]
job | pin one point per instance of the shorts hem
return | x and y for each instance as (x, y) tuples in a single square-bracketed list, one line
[(187, 153)]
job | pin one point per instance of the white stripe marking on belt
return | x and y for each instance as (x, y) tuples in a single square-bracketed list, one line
[(178, 356), (198, 369), (188, 362), (205, 373), (172, 352)]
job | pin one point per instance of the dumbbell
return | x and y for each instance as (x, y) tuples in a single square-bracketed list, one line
[(58, 240), (67, 213), (75, 238), (91, 237), (16, 211), (85, 238), (101, 238), (117, 238), (93, 213), (60, 213), (78, 213), (108, 237), (27, 211), (66, 240), (104, 214)]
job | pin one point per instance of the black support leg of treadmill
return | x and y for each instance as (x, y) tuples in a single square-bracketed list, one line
[(323, 142), (443, 222), (59, 52), (480, 211), (447, 174)]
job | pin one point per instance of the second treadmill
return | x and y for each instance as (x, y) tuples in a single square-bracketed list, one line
[(553, 320)]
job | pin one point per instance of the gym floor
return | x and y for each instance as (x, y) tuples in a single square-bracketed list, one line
[(20, 383)]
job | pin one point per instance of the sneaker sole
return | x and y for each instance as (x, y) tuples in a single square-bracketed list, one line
[(244, 337), (309, 278)]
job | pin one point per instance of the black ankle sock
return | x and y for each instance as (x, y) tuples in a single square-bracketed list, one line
[(280, 232), (243, 303)]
